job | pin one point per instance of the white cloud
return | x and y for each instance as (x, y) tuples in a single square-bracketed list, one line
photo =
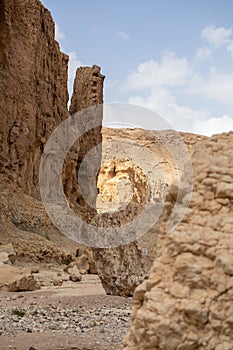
[(178, 88), (230, 48), (172, 71), (217, 87), (122, 35), (213, 125), (59, 35), (202, 54), (164, 103), (183, 118), (217, 36)]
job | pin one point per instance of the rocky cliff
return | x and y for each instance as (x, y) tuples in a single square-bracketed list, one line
[(186, 303), (33, 102), (161, 156), (87, 94), (33, 89)]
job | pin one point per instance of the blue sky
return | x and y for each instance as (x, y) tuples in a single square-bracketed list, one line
[(174, 57)]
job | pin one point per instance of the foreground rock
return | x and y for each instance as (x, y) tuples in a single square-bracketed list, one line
[(13, 279), (187, 301)]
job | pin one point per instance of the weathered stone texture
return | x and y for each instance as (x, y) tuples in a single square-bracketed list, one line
[(33, 102), (14, 279), (87, 93), (186, 303), (88, 89), (122, 269), (33, 89)]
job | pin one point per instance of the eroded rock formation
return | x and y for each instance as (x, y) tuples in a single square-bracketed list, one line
[(33, 102), (187, 301), (33, 89), (161, 156), (88, 89), (119, 182), (87, 95)]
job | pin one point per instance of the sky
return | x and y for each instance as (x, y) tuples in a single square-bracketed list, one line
[(174, 57)]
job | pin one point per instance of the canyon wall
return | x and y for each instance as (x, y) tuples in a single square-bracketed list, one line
[(186, 303), (33, 89), (33, 102), (161, 156)]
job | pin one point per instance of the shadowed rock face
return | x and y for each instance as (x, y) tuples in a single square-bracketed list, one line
[(88, 89), (33, 89), (33, 102), (186, 303), (87, 93), (34, 96)]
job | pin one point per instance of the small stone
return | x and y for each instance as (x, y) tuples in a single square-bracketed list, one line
[(57, 282)]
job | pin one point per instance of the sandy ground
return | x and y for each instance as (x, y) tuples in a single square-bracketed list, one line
[(87, 295)]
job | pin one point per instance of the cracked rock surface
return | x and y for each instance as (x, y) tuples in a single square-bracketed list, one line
[(186, 303)]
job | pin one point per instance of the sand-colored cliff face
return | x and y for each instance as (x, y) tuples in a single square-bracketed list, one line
[(122, 181), (116, 181), (187, 301)]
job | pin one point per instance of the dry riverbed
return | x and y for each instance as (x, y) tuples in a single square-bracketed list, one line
[(72, 316)]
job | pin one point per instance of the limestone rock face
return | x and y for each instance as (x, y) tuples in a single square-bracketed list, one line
[(33, 89), (186, 303), (119, 182), (122, 181)]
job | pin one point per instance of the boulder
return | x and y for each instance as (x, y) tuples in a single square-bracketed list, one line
[(7, 254), (13, 279), (75, 275)]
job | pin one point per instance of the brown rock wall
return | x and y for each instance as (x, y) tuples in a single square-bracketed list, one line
[(33, 89)]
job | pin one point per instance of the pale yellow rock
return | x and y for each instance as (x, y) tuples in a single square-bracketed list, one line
[(127, 185), (195, 265)]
